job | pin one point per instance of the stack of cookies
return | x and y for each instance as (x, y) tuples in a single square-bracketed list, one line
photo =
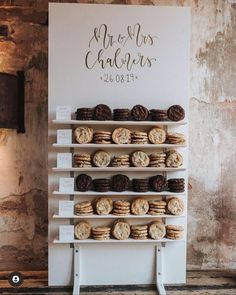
[(82, 230), (101, 233), (102, 112), (175, 138), (139, 137), (157, 230), (120, 161), (82, 160), (84, 208), (121, 230), (84, 114), (101, 184), (121, 136), (174, 232), (83, 134), (121, 207), (159, 115), (102, 137), (157, 207), (157, 183), (139, 206), (157, 160), (176, 185), (120, 183), (101, 159), (174, 159), (121, 114), (140, 185), (175, 206), (140, 159), (103, 205), (139, 232), (157, 135)]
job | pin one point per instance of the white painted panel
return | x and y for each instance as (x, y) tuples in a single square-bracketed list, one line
[(71, 83)]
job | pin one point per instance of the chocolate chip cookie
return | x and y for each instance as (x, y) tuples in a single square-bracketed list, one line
[(139, 113), (102, 112), (176, 113), (83, 182)]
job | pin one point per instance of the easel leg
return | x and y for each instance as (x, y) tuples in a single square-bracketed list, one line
[(76, 287), (159, 258)]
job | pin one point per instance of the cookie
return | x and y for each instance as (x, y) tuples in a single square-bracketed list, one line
[(157, 230), (175, 227), (83, 182), (176, 113), (102, 137), (101, 233), (121, 114), (82, 230), (139, 232), (83, 208), (139, 206), (120, 160), (139, 113), (157, 135), (101, 184), (120, 183), (103, 206), (101, 159), (157, 160), (158, 115), (138, 137), (121, 136), (83, 134), (140, 159), (121, 230), (176, 185), (140, 185), (82, 160), (175, 206), (102, 112), (174, 232), (174, 159), (121, 207), (84, 114), (157, 183), (175, 138)]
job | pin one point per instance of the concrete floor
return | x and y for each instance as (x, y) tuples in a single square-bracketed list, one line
[(198, 283)]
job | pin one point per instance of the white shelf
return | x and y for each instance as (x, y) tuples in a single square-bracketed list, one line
[(111, 216), (130, 240), (125, 193), (118, 169), (119, 123), (123, 146)]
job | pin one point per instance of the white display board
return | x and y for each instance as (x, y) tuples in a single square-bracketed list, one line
[(121, 56)]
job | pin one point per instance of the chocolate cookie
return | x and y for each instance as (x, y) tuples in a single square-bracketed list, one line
[(140, 184), (101, 184), (176, 185), (158, 115), (176, 113), (120, 114), (139, 113), (83, 182), (157, 183), (102, 112), (84, 114), (120, 183)]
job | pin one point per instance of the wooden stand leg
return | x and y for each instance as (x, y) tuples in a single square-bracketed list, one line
[(159, 258), (76, 287)]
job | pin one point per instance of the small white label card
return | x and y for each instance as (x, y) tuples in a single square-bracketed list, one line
[(64, 160), (64, 136), (66, 184), (66, 208), (66, 232), (63, 113)]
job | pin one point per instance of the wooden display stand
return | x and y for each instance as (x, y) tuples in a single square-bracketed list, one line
[(70, 83)]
